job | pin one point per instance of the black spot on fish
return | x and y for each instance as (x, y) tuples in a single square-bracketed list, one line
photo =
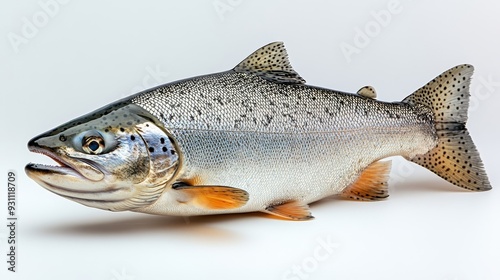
[(62, 138), (164, 149), (151, 149), (122, 129), (267, 120), (132, 137), (219, 100), (290, 117), (237, 123), (331, 114)]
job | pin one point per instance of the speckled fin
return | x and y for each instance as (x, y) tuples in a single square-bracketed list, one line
[(290, 210), (447, 94), (368, 91), (213, 197), (271, 63), (455, 158), (371, 184)]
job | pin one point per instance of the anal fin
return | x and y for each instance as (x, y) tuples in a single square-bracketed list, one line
[(290, 210), (371, 183), (213, 197)]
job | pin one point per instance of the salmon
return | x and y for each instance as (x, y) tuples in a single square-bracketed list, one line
[(257, 138)]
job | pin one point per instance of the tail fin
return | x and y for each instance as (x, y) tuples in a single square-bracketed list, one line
[(455, 158)]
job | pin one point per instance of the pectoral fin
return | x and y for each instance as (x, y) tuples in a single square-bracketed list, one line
[(291, 210), (371, 184), (213, 197)]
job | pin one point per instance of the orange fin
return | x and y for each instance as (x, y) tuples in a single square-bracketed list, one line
[(371, 183), (291, 210), (213, 197)]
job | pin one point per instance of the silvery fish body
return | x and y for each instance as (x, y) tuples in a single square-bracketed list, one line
[(280, 142), (257, 138)]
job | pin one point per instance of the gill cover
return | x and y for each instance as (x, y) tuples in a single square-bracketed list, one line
[(163, 160)]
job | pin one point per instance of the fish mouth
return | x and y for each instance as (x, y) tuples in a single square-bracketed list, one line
[(76, 188), (67, 181), (80, 168), (74, 167), (64, 167)]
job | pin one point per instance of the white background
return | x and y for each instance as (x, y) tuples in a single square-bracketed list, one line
[(81, 55)]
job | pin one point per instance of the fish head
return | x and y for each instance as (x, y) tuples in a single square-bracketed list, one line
[(116, 158)]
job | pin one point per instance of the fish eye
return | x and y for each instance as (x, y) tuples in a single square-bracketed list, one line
[(93, 144)]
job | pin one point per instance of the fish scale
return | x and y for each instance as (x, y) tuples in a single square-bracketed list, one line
[(246, 102)]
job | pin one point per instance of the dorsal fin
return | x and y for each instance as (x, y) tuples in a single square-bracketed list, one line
[(271, 63), (367, 91)]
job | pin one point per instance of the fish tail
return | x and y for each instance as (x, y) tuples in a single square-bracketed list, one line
[(455, 157)]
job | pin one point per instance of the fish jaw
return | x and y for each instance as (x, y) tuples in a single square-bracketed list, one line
[(67, 165), (77, 180), (68, 183), (81, 180)]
